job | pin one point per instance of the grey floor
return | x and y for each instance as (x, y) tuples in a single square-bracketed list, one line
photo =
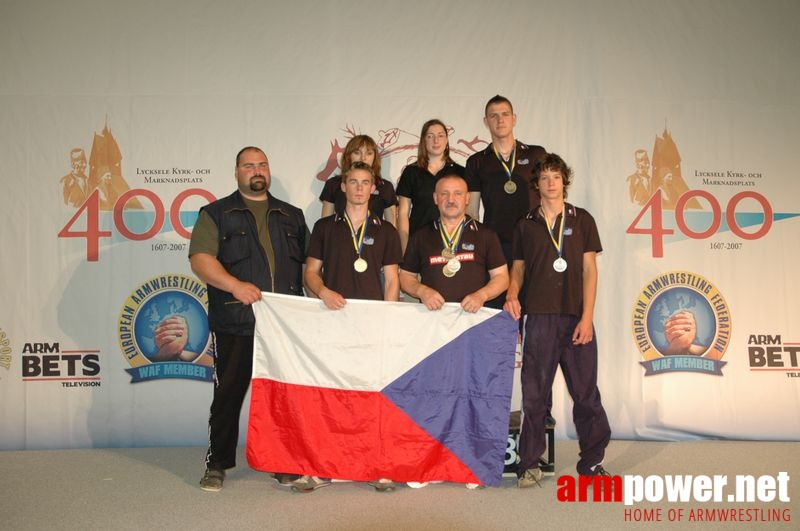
[(157, 488)]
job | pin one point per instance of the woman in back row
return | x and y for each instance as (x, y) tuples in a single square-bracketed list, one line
[(382, 203), (417, 182)]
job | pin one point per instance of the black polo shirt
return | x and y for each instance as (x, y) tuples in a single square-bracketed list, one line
[(485, 174), (418, 184), (332, 242), (479, 252), (551, 292)]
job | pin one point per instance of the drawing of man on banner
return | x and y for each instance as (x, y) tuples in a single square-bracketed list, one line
[(76, 184), (639, 182)]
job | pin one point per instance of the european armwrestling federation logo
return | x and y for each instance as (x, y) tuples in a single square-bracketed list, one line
[(163, 330), (681, 323)]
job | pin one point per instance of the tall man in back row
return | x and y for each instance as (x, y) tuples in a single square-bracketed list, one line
[(555, 249), (502, 177), (241, 245)]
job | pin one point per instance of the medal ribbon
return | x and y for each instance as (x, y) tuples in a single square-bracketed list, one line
[(451, 241), (509, 171), (560, 244), (358, 237)]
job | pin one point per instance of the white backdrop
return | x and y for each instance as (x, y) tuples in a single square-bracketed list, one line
[(182, 86)]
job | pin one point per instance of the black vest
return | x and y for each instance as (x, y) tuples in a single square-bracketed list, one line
[(241, 254)]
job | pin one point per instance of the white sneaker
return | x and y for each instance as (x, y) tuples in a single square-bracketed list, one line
[(473, 486), (417, 485), (531, 477)]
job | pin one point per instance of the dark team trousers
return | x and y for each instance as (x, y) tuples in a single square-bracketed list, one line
[(233, 367), (548, 345), (500, 300)]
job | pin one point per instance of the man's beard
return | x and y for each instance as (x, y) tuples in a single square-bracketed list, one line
[(258, 183)]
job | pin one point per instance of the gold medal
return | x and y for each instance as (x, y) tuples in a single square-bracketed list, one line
[(360, 265), (450, 242), (510, 187)]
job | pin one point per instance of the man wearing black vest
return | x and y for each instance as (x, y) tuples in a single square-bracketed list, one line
[(241, 245)]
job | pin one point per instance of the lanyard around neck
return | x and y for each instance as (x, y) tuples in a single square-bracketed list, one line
[(358, 236)]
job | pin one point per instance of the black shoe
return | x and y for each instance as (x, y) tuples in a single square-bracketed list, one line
[(600, 471), (212, 480), (383, 485), (549, 421), (606, 487), (286, 479), (306, 484)]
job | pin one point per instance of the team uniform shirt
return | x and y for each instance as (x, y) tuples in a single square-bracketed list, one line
[(478, 252), (418, 184), (551, 292), (382, 198), (485, 174), (332, 242)]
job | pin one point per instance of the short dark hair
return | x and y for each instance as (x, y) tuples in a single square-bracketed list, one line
[(494, 100), (451, 175), (552, 162), (248, 148)]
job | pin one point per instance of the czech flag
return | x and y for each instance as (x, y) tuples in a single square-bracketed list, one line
[(380, 390)]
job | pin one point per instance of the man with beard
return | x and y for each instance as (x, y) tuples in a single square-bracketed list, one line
[(241, 245)]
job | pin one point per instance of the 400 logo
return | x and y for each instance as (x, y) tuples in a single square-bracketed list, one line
[(163, 330), (672, 211), (107, 208), (681, 323)]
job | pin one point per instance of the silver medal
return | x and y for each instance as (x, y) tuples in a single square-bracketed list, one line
[(360, 265), (454, 265)]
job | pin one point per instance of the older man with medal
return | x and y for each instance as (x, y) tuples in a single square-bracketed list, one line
[(352, 253), (451, 258), (555, 248)]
